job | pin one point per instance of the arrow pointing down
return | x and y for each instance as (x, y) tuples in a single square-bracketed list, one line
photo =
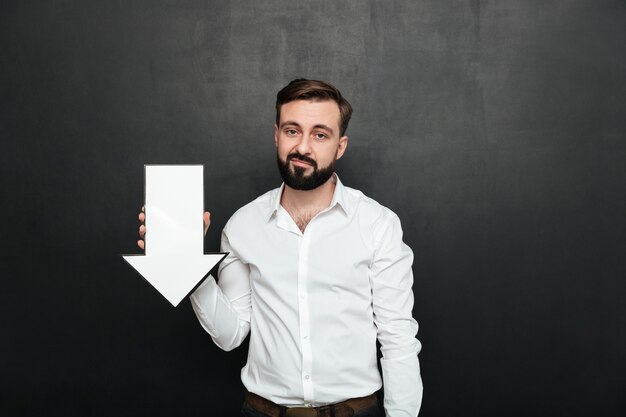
[(174, 261)]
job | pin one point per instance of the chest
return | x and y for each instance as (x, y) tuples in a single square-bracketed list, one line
[(330, 259)]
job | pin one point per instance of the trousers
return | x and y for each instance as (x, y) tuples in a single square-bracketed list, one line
[(375, 410)]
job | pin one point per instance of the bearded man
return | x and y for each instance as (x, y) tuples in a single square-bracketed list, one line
[(316, 273)]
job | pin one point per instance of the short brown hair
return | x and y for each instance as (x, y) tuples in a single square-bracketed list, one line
[(303, 89)]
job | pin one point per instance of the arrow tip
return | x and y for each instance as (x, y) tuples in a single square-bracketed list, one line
[(174, 277)]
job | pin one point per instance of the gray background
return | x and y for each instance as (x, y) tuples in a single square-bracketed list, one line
[(494, 129)]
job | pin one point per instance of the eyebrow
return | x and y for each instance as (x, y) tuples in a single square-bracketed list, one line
[(317, 126)]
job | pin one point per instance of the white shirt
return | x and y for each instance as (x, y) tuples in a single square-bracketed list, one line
[(314, 303)]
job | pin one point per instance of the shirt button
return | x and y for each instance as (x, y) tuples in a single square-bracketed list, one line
[(302, 296), (308, 405), (305, 337), (307, 377)]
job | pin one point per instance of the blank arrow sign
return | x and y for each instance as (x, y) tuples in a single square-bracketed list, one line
[(174, 262)]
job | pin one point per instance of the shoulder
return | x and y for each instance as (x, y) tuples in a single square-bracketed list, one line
[(369, 210), (258, 210), (376, 222)]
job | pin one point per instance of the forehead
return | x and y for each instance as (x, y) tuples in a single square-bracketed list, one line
[(311, 113)]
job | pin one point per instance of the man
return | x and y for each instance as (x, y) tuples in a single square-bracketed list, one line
[(316, 273)]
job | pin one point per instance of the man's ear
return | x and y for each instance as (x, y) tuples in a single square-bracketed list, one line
[(343, 144), (276, 134)]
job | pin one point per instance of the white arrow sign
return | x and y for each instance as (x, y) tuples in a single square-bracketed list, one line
[(174, 261)]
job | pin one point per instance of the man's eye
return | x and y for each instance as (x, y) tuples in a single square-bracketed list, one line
[(320, 136), (291, 132)]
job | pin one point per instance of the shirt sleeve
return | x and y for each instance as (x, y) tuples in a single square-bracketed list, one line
[(392, 282), (224, 307)]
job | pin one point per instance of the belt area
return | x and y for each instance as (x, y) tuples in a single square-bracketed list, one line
[(343, 409)]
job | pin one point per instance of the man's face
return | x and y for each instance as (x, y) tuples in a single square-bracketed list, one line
[(308, 142)]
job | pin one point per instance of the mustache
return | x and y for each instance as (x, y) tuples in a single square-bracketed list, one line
[(302, 158)]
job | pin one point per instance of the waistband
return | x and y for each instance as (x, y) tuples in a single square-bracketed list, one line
[(343, 409)]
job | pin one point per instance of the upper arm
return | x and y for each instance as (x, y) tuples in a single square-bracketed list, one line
[(391, 278)]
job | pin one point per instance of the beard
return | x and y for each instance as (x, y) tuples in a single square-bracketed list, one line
[(297, 180)]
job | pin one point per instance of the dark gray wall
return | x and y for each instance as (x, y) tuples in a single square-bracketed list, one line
[(495, 129)]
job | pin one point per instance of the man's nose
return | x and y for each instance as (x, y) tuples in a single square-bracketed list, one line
[(304, 146)]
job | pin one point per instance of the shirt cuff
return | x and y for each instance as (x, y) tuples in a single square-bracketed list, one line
[(206, 291), (403, 386), (206, 295)]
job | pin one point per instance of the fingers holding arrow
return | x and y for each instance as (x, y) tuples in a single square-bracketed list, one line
[(142, 228)]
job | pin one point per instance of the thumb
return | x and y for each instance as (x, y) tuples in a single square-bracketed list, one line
[(207, 221)]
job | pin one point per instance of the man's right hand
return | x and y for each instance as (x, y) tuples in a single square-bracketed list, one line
[(142, 227)]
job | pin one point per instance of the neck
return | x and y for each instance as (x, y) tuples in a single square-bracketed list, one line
[(317, 199)]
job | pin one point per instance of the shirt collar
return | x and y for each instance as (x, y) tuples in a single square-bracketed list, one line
[(339, 198)]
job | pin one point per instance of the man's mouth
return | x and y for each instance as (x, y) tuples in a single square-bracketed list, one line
[(300, 163)]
